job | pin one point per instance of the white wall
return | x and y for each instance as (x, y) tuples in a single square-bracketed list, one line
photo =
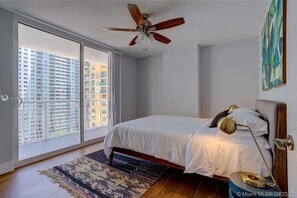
[(229, 76), (128, 88), (150, 86), (180, 82), (168, 83), (7, 51)]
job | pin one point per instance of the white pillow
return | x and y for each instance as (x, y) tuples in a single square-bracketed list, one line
[(258, 126), (243, 137), (245, 110)]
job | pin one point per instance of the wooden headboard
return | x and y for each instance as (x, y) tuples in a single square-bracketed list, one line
[(275, 114)]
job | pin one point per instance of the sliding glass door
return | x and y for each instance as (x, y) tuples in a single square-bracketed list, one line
[(49, 84), (64, 89), (95, 93)]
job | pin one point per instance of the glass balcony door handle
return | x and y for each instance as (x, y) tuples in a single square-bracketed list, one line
[(20, 100)]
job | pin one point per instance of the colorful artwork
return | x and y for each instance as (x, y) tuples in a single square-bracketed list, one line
[(273, 46)]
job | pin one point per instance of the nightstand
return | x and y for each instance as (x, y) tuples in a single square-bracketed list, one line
[(237, 188)]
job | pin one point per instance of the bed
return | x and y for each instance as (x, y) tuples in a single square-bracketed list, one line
[(190, 145)]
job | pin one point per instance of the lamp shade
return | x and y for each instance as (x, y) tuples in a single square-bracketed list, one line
[(227, 125)]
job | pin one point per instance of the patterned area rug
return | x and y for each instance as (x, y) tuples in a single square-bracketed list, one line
[(90, 176)]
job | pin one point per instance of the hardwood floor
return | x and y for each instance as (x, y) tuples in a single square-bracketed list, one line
[(176, 184), (26, 182)]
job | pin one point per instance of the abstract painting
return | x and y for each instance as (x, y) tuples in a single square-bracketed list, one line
[(274, 45)]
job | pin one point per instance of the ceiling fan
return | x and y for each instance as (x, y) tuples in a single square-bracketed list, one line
[(145, 27)]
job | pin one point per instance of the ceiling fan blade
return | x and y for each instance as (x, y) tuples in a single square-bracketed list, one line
[(133, 42), (161, 38), (169, 24), (136, 14), (119, 29)]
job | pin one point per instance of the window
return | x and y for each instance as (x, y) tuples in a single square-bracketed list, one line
[(41, 112), (93, 97), (103, 74)]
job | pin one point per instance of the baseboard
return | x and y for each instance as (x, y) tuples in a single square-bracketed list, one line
[(6, 167)]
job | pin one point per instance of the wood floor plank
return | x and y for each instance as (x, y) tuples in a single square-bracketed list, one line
[(187, 187), (157, 187), (171, 188), (221, 190), (25, 182), (179, 185), (207, 188)]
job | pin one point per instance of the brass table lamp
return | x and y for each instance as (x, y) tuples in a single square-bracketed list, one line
[(232, 107), (228, 125)]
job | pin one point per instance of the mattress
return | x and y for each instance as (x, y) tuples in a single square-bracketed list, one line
[(164, 137), (187, 142)]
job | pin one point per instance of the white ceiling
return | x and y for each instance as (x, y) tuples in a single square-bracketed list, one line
[(207, 22)]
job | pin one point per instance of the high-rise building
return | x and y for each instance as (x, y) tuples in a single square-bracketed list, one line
[(49, 86), (95, 93)]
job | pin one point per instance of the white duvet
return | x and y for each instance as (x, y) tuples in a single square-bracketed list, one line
[(164, 137), (209, 155), (187, 142)]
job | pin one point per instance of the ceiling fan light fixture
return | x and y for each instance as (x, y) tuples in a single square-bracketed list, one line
[(141, 36), (151, 37), (138, 42)]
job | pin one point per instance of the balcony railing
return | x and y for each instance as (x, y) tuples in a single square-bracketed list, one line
[(40, 120), (94, 113)]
